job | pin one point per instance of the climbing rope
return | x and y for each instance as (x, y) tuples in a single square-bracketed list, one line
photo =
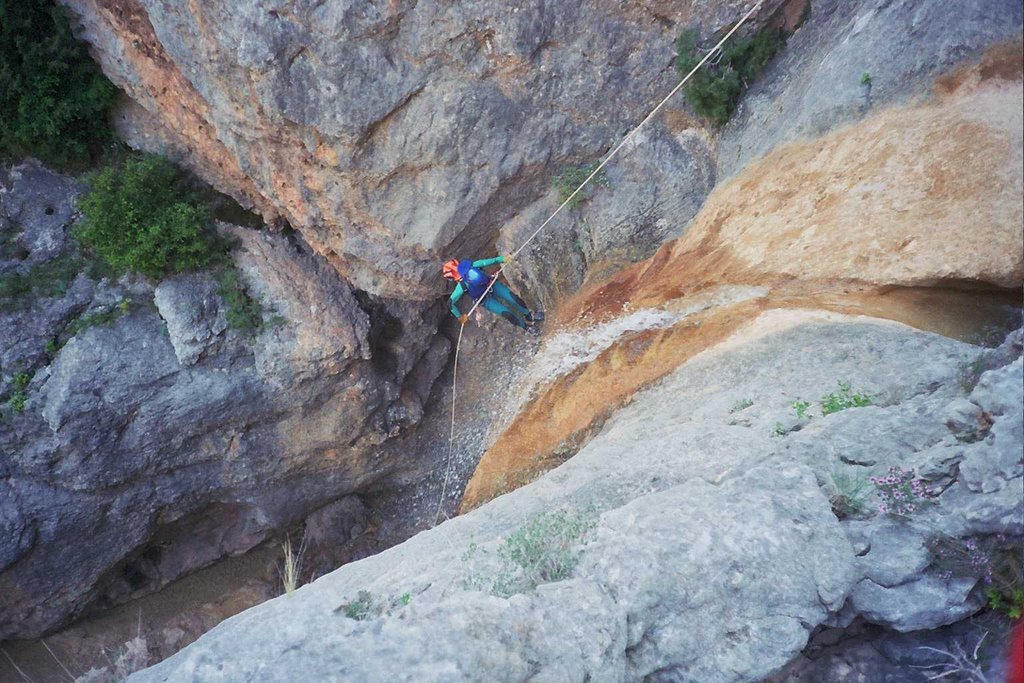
[(566, 202)]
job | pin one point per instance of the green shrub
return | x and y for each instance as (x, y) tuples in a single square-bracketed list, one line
[(143, 216), (544, 550), (570, 178), (54, 100), (715, 88), (243, 313)]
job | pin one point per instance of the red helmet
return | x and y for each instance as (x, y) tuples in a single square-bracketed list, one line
[(450, 270)]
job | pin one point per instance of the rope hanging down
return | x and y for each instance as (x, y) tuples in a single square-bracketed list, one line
[(566, 202)]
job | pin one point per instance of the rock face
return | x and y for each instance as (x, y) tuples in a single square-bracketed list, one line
[(878, 203), (393, 135), (703, 517), (818, 83), (162, 435)]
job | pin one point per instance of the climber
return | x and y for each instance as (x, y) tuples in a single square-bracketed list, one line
[(470, 277)]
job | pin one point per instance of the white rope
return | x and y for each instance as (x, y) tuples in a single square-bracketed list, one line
[(566, 202), (451, 433)]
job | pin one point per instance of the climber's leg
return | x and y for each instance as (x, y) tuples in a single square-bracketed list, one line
[(508, 296), (498, 307)]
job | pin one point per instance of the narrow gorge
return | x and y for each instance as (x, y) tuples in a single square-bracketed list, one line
[(772, 428)]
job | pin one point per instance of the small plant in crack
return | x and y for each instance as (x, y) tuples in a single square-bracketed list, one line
[(900, 491), (778, 429), (742, 404), (991, 560), (571, 177), (19, 394), (362, 608), (970, 374), (291, 565), (847, 493), (544, 550), (100, 318), (845, 398), (801, 408), (243, 312)]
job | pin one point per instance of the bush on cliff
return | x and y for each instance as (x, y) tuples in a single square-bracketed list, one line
[(53, 98), (715, 88), (144, 216)]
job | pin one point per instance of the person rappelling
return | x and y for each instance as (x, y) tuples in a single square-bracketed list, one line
[(471, 278)]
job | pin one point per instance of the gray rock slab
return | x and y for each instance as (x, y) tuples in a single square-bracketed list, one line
[(715, 552), (815, 85)]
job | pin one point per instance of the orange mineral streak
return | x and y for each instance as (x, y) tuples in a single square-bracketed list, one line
[(883, 217), (567, 411), (162, 87), (911, 196)]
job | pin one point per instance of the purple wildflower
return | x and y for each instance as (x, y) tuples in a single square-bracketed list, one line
[(900, 491)]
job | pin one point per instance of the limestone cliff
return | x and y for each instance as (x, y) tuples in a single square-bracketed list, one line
[(392, 134), (715, 554), (873, 175), (164, 437)]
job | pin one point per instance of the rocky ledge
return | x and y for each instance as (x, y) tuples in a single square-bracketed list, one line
[(698, 536), (138, 418)]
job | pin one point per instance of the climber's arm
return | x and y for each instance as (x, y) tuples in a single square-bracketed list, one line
[(454, 299), (483, 263)]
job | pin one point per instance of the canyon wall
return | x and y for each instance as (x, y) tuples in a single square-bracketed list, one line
[(393, 136)]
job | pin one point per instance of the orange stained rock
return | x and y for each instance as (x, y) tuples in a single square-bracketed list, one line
[(567, 410), (915, 196)]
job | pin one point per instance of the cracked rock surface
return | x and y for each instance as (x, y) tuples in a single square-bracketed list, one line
[(165, 437), (716, 553)]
